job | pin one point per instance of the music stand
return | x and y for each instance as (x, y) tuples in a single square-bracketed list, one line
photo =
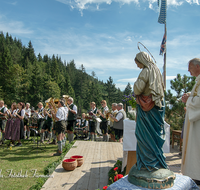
[(36, 134), (79, 132)]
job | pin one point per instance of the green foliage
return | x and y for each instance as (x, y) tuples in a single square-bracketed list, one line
[(128, 90), (111, 173), (48, 170), (29, 78), (131, 115), (174, 110)]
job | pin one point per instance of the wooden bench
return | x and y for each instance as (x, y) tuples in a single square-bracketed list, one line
[(176, 135)]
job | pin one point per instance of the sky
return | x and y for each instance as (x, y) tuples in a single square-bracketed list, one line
[(103, 34)]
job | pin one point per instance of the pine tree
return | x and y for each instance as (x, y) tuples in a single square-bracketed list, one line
[(174, 110), (111, 91), (69, 89), (36, 87), (7, 73), (128, 89), (54, 69)]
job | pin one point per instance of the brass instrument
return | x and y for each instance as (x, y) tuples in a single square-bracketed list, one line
[(87, 117), (53, 102), (66, 98), (107, 114), (98, 110), (113, 114), (46, 108)]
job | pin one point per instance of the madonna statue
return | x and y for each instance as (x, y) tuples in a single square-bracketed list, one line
[(150, 132)]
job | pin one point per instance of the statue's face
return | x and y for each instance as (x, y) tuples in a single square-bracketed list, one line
[(139, 65)]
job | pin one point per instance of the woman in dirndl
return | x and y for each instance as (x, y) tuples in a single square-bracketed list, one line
[(18, 125), (10, 121)]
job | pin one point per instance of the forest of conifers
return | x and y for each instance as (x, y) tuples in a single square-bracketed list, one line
[(26, 77)]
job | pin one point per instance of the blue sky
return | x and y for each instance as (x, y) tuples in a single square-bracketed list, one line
[(103, 34)]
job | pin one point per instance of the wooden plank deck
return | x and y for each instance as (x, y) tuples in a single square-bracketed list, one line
[(99, 158)]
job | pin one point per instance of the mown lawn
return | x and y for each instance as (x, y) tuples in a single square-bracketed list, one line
[(21, 168)]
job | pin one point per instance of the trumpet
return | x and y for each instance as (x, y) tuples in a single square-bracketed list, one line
[(98, 111)]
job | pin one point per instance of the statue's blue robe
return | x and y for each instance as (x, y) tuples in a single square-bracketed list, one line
[(150, 134)]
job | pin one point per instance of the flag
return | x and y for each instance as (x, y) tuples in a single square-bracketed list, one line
[(163, 11), (163, 45)]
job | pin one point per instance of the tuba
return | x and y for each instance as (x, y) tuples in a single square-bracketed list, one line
[(46, 108), (54, 103), (66, 98)]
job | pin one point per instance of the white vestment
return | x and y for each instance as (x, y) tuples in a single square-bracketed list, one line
[(191, 151)]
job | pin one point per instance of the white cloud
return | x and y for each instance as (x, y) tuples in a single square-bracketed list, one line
[(130, 80), (95, 4), (13, 27), (121, 86), (193, 1), (170, 77)]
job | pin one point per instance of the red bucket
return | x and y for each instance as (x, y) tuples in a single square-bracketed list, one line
[(69, 164), (79, 159)]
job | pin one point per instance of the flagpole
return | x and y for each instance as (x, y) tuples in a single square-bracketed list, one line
[(165, 57)]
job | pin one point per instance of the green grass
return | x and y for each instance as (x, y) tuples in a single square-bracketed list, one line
[(19, 162)]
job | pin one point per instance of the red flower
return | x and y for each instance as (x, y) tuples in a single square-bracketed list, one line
[(105, 187), (118, 176), (115, 168)]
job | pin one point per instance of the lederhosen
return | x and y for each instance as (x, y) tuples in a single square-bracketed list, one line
[(2, 121), (66, 113), (48, 124), (60, 126), (71, 120), (92, 123), (103, 125)]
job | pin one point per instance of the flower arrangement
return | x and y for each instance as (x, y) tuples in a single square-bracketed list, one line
[(115, 173), (131, 99)]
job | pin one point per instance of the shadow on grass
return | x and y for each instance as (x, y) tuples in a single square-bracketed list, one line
[(26, 152)]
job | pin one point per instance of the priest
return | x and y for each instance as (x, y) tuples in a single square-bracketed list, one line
[(191, 136)]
